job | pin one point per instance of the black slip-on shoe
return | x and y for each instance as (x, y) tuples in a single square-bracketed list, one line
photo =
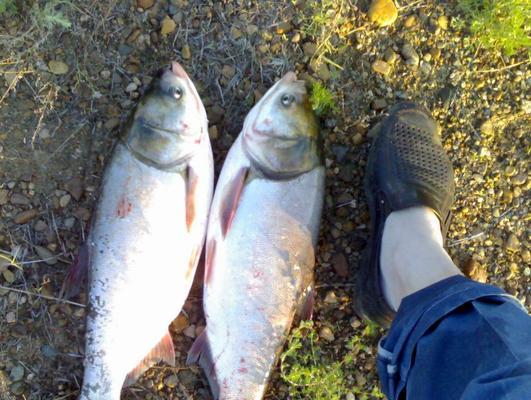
[(407, 167)]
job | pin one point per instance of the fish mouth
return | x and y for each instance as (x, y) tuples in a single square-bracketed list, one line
[(269, 134), (183, 133)]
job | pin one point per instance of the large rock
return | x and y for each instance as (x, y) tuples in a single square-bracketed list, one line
[(383, 12)]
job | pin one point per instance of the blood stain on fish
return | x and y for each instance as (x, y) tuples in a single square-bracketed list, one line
[(124, 207)]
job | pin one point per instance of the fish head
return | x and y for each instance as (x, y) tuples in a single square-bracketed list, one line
[(169, 122), (281, 132)]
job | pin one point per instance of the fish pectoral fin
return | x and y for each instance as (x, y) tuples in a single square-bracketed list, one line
[(163, 351), (191, 187), (231, 197), (76, 275), (305, 311)]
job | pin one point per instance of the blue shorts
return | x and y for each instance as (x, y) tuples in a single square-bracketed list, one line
[(457, 339)]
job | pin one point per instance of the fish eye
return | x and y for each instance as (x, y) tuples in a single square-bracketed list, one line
[(287, 99), (176, 92)]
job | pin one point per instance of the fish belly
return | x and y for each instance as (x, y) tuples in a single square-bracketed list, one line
[(260, 272), (139, 270)]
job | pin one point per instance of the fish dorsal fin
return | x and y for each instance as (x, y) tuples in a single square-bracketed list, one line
[(163, 351), (191, 185), (231, 197), (201, 354)]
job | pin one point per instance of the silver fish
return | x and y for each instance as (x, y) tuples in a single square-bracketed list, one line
[(147, 235), (261, 238)]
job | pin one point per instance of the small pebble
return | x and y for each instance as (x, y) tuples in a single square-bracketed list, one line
[(512, 244), (381, 67), (75, 187), (167, 26), (235, 33), (69, 222), (4, 196), (309, 49), (330, 298), (519, 179), (228, 71), (57, 67), (411, 21), (251, 29), (390, 55), (17, 373), (357, 139), (526, 256), (189, 331), (49, 351), (213, 132), (340, 265), (180, 323), (284, 27), (296, 38), (111, 123), (64, 200), (383, 12), (442, 21), (410, 54), (11, 317), (327, 334), (186, 52), (145, 4), (8, 276), (19, 199), (171, 381), (475, 270), (507, 196), (510, 171), (378, 104), (45, 255), (25, 216), (17, 388), (131, 87)]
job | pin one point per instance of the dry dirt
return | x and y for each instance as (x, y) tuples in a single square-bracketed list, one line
[(58, 123)]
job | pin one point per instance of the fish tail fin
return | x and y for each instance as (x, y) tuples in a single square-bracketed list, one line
[(201, 354), (163, 351)]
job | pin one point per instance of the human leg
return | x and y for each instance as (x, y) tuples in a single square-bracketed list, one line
[(451, 337)]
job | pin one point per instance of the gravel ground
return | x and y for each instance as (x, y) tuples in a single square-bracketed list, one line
[(65, 93)]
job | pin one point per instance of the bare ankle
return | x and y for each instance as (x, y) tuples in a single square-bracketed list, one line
[(412, 256)]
